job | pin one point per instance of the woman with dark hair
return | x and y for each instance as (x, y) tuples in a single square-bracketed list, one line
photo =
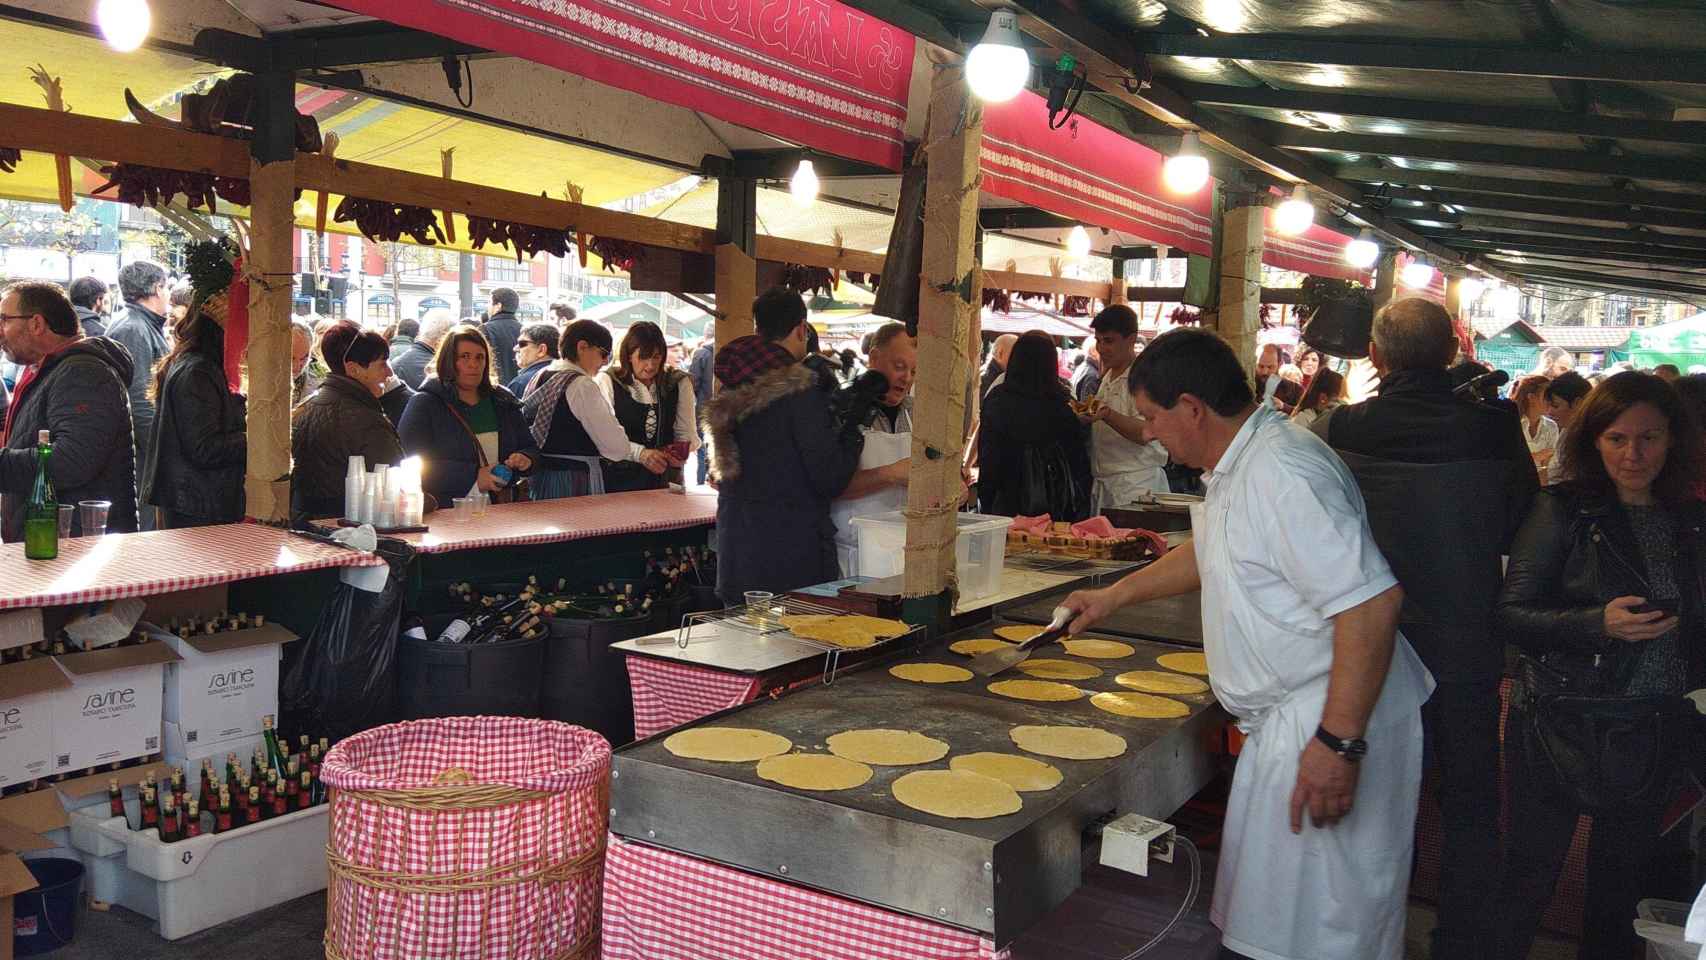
[(654, 404), (341, 419), (574, 427), (1325, 393), (463, 426), (1032, 450), (199, 450), (1605, 596)]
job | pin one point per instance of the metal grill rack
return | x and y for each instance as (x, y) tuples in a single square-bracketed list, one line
[(770, 622)]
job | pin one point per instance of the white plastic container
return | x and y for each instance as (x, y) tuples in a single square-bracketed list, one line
[(1660, 924), (194, 884), (979, 553)]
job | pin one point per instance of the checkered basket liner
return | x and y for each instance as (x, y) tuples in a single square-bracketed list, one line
[(466, 838)]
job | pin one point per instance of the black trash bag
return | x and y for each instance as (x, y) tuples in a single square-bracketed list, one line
[(344, 679)]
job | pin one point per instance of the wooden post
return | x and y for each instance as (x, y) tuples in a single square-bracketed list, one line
[(950, 295), (1241, 279), (1117, 292), (737, 270), (272, 189)]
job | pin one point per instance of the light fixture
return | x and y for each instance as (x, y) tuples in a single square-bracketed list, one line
[(124, 23), (1469, 289), (998, 67), (1418, 273), (1296, 214), (804, 184), (1078, 242), (1187, 170), (1363, 251)]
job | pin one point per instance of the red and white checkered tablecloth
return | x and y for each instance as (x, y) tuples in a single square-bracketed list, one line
[(670, 694), (660, 905), (164, 561), (569, 518)]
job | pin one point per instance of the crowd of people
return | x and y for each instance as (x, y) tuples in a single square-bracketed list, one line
[(143, 413)]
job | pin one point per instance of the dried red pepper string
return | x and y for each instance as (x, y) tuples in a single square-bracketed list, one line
[(382, 220), (10, 157)]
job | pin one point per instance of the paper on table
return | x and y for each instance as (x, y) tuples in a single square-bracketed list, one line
[(105, 624)]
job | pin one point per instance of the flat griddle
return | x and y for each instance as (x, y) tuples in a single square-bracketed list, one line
[(994, 876), (1176, 620)]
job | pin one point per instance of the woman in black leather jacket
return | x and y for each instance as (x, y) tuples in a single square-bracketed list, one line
[(1606, 585), (194, 470)]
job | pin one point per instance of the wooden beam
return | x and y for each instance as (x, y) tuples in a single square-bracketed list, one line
[(1239, 317), (783, 250), (1579, 249), (1584, 278), (1451, 58), (1551, 207), (1064, 286), (1476, 223), (1292, 137), (950, 297), (1459, 114), (74, 135), (737, 280), (1548, 189)]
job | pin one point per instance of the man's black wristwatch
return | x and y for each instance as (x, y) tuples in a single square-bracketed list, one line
[(1351, 750)]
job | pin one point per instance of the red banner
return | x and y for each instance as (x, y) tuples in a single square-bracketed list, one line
[(1319, 251), (816, 72), (1089, 173)]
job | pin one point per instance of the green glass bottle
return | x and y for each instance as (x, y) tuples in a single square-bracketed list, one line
[(41, 515)]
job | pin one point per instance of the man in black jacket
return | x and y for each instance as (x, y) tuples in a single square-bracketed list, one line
[(76, 389), (412, 366), (142, 333), (1447, 481), (777, 456), (502, 329), (89, 299)]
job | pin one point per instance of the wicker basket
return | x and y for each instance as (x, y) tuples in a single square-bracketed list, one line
[(466, 838)]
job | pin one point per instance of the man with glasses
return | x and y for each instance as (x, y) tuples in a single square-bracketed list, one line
[(534, 351), (142, 333), (76, 389)]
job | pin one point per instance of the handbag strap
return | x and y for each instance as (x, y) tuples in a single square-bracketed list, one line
[(479, 449)]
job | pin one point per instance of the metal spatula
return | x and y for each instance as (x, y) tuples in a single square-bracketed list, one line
[(997, 661)]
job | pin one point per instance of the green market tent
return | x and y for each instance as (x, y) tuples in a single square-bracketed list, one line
[(1513, 349), (1682, 343)]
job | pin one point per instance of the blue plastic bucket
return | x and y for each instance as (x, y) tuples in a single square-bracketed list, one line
[(44, 919)]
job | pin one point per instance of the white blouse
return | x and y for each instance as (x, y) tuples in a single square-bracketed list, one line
[(686, 413)]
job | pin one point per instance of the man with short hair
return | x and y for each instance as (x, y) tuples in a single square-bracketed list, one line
[(1447, 480), (886, 462), (996, 371), (77, 389), (502, 329), (699, 369), (414, 363), (142, 333), (1668, 372), (1299, 627), (1563, 395), (1124, 464), (404, 335), (1268, 362), (562, 314), (89, 299), (776, 456), (534, 351)]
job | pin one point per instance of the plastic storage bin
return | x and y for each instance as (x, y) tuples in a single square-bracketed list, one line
[(585, 682), (979, 553), (194, 884), (461, 680), (467, 838), (45, 919)]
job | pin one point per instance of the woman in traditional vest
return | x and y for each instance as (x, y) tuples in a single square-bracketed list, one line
[(579, 438), (653, 402)]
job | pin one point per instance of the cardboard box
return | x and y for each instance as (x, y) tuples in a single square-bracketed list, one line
[(28, 692), (221, 687), (112, 711), (190, 755)]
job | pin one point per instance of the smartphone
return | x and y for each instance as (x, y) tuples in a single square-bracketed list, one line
[(1669, 606), (503, 474)]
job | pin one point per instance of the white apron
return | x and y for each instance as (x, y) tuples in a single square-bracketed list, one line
[(1335, 893), (881, 449)]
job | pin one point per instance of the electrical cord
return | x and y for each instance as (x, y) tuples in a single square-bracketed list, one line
[(1185, 905)]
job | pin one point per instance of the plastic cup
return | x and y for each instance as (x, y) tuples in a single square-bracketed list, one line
[(481, 502), (92, 516), (462, 510), (66, 512), (758, 605)]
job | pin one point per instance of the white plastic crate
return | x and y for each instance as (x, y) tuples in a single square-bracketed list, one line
[(194, 884), (980, 551)]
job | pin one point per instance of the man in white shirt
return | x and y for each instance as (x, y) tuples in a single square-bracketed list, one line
[(880, 484), (1125, 464), (1299, 627)]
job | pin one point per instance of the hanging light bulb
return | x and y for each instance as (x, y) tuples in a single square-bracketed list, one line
[(1418, 273), (1296, 214), (1078, 242), (124, 23), (1187, 170), (804, 184), (1363, 251), (1469, 290), (998, 67)]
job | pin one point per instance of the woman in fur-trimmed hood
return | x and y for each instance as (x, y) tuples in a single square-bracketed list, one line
[(775, 457)]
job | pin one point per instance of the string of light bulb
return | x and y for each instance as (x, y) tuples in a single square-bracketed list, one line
[(124, 23)]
